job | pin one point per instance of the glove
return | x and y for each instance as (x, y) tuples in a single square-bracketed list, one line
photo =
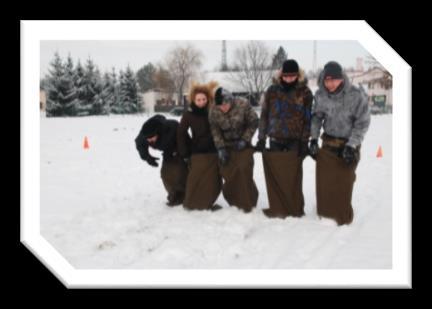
[(313, 148), (260, 145), (241, 144), (223, 156), (152, 161), (303, 149), (349, 155)]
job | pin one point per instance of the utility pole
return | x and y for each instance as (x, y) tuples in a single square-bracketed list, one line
[(224, 66), (314, 61)]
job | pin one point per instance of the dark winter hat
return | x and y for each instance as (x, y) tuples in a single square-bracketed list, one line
[(222, 95), (333, 70), (152, 126), (290, 67)]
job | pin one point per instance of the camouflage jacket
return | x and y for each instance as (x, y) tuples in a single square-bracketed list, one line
[(286, 113), (240, 122)]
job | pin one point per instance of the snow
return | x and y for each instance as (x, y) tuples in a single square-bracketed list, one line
[(105, 208)]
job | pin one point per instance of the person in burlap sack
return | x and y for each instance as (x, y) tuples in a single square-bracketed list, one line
[(204, 182), (285, 119), (342, 110), (161, 134), (233, 123)]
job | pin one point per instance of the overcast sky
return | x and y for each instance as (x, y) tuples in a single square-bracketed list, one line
[(119, 54)]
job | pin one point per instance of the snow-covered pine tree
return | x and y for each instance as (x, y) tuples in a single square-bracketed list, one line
[(98, 106), (79, 81), (279, 58), (60, 88), (109, 91), (69, 74), (129, 92), (117, 107), (115, 82), (89, 91), (53, 105)]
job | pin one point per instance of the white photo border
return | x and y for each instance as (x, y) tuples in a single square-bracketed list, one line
[(32, 32)]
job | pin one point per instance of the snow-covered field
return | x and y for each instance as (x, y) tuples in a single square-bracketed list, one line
[(105, 208)]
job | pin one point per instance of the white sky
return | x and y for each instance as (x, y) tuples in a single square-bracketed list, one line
[(119, 54)]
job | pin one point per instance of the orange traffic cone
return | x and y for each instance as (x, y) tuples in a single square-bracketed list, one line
[(379, 153), (86, 144)]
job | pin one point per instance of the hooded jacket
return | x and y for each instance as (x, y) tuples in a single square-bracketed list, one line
[(344, 114), (196, 119), (166, 129)]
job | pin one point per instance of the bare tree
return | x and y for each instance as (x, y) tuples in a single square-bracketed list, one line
[(163, 81), (183, 62), (253, 62)]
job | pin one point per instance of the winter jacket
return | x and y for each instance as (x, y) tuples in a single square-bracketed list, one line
[(166, 129), (344, 114), (201, 141), (286, 112), (240, 122)]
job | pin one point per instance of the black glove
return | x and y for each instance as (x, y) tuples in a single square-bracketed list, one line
[(223, 156), (313, 148), (152, 161), (260, 145), (241, 144), (349, 155), (303, 149)]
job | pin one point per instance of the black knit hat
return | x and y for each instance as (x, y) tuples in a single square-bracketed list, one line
[(222, 96), (152, 126), (333, 70), (290, 67)]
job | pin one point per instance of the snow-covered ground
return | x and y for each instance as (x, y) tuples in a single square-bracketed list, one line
[(105, 208)]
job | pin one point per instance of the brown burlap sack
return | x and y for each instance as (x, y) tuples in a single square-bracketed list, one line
[(239, 188), (174, 174), (334, 186), (284, 176), (204, 183)]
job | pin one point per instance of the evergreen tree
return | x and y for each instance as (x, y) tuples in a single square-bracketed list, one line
[(279, 58), (79, 81), (116, 87), (60, 88), (90, 89), (98, 106), (109, 91), (145, 77), (128, 92), (117, 107), (69, 75)]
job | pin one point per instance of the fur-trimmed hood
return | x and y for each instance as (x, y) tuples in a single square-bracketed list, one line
[(302, 79), (208, 89)]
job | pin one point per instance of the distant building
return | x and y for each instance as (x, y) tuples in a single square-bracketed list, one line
[(359, 64), (156, 100), (378, 84)]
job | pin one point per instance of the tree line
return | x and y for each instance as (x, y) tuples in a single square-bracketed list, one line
[(81, 90)]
